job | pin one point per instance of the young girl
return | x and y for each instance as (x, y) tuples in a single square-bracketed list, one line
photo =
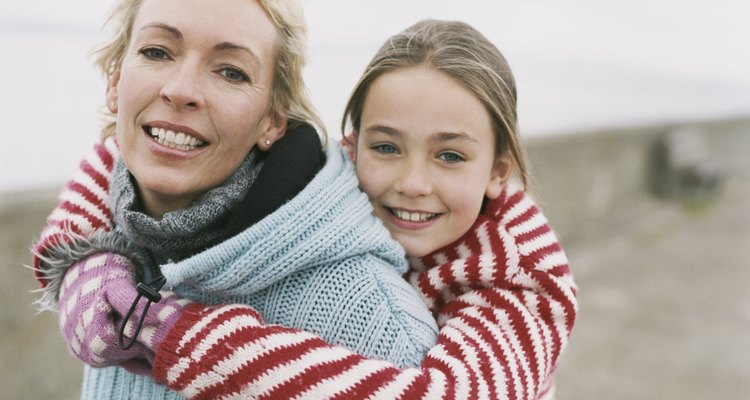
[(435, 142)]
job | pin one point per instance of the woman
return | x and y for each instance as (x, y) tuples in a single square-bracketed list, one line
[(201, 89)]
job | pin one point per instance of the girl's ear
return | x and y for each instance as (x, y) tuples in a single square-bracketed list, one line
[(501, 172), (111, 95), (274, 129), (349, 143)]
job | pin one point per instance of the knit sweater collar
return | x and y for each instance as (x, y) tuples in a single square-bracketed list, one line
[(180, 233), (327, 223)]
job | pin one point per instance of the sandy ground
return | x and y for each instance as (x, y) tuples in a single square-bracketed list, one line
[(664, 302), (35, 362), (665, 307)]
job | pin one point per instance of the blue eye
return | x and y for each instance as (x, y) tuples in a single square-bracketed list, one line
[(451, 158), (385, 148), (234, 74), (155, 53)]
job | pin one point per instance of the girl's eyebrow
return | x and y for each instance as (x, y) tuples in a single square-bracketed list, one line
[(384, 129), (448, 136), (437, 137)]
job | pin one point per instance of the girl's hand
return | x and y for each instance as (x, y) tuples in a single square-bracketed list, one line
[(88, 321), (95, 296)]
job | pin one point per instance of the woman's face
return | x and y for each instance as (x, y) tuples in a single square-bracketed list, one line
[(192, 96), (425, 157)]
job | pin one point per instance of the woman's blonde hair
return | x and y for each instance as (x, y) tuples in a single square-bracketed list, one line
[(289, 95), (463, 53)]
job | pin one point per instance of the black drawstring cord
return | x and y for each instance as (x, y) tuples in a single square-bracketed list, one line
[(151, 292)]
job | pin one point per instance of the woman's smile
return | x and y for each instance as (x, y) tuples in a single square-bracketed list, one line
[(192, 96), (178, 140)]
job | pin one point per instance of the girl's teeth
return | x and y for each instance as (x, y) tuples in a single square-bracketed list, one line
[(413, 216)]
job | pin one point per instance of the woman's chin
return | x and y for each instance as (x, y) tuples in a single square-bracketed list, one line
[(167, 196)]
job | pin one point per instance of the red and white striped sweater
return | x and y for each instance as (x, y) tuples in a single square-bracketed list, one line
[(503, 295)]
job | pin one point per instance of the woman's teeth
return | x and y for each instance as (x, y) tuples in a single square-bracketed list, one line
[(413, 216), (179, 140)]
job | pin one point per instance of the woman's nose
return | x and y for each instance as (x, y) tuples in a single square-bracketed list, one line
[(182, 90)]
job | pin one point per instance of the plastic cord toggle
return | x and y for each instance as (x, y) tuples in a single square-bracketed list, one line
[(151, 292)]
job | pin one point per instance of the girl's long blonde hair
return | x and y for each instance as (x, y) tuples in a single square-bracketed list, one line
[(463, 53)]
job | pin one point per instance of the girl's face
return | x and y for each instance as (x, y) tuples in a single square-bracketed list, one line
[(192, 96), (425, 157)]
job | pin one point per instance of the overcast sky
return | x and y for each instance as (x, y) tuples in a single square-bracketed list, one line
[(580, 64)]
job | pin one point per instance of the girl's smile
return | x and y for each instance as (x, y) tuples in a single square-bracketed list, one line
[(411, 220)]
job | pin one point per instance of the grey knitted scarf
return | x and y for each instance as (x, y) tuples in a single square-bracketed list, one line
[(180, 233)]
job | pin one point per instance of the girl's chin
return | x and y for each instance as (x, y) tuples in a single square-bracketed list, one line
[(417, 250)]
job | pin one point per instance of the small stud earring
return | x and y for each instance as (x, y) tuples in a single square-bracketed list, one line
[(268, 142)]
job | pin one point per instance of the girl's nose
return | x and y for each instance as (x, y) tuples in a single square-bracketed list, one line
[(182, 90), (414, 180)]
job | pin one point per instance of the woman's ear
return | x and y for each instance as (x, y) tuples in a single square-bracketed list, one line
[(501, 172), (111, 95), (273, 130)]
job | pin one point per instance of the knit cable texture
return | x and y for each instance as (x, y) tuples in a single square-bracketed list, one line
[(179, 233), (329, 222), (321, 263)]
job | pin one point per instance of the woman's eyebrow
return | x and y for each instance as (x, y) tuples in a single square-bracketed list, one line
[(224, 46), (158, 25)]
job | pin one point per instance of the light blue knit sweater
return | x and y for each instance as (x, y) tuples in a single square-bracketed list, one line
[(321, 263)]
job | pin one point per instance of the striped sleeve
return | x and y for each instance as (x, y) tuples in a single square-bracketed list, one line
[(223, 352), (507, 283), (506, 306), (82, 204)]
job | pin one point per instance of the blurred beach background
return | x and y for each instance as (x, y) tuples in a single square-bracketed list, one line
[(610, 96)]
